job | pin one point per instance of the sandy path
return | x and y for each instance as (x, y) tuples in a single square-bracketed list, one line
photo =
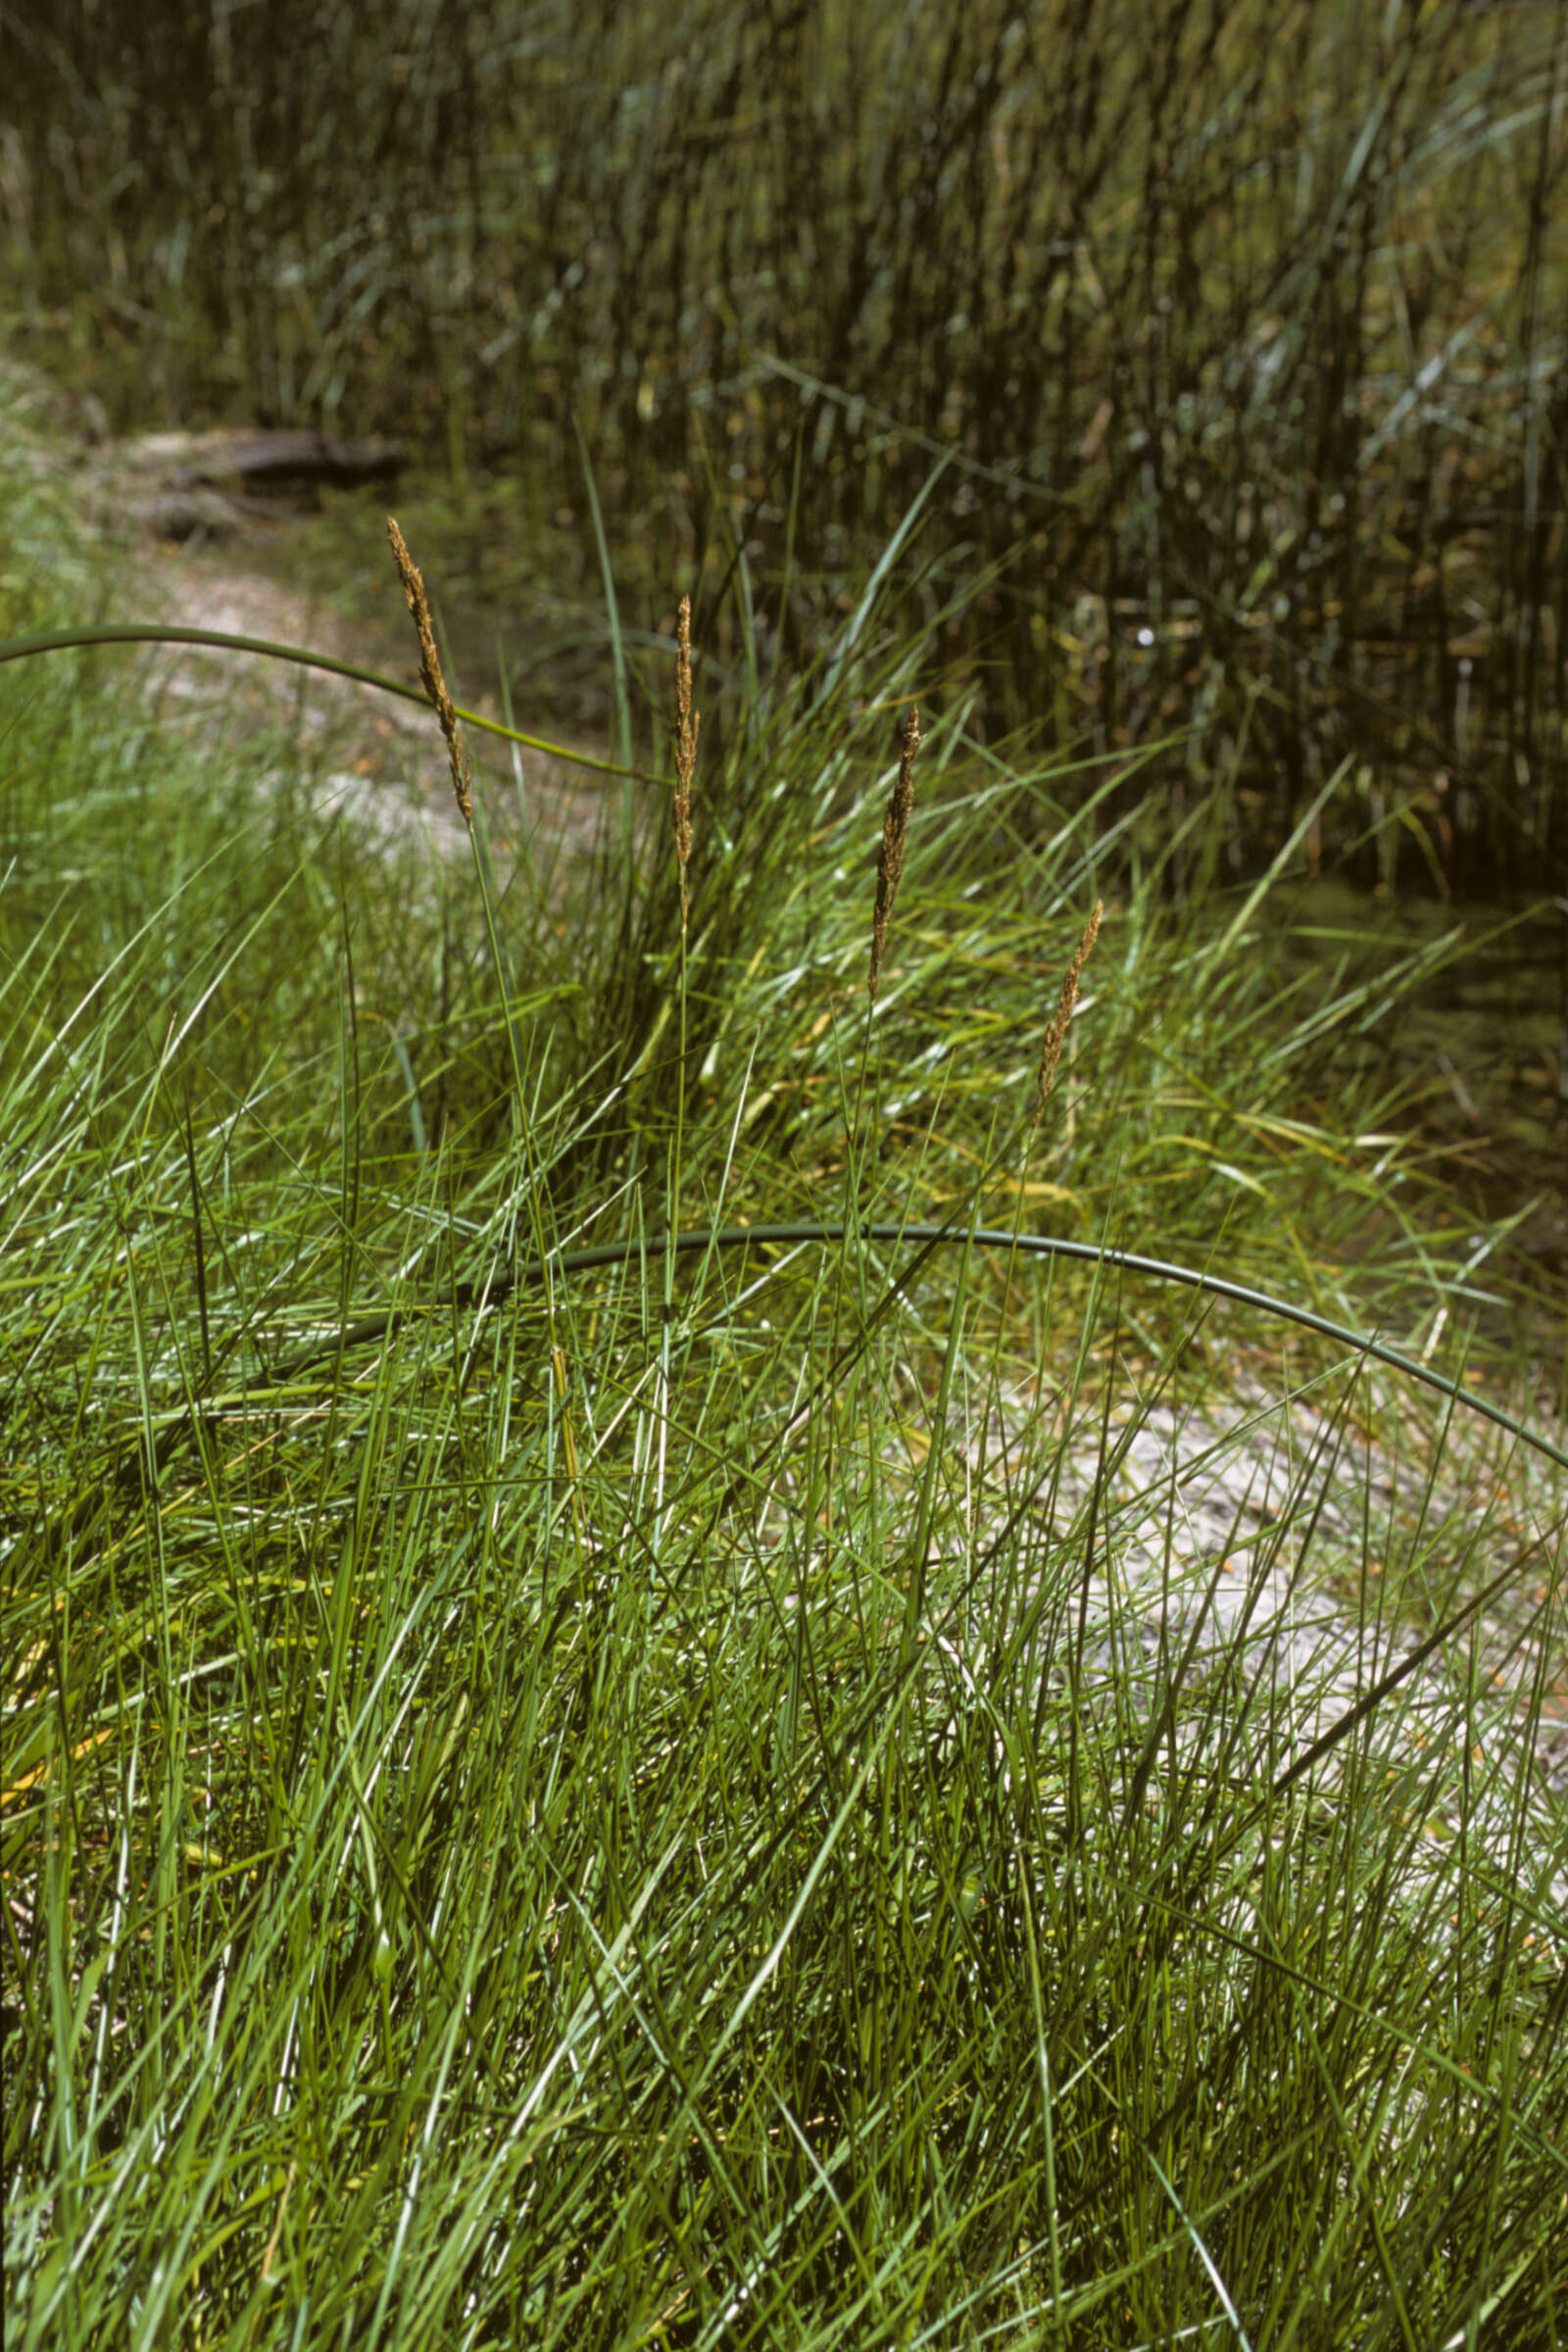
[(379, 760)]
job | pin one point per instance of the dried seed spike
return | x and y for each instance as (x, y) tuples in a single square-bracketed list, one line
[(1051, 1050), (431, 677), (687, 722), (890, 856)]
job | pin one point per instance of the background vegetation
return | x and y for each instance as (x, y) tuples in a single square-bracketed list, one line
[(833, 1795)]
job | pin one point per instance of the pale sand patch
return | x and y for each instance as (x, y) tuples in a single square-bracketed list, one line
[(1242, 1533), (383, 765), (380, 760)]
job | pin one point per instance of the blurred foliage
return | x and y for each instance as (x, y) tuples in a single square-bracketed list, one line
[(1240, 329)]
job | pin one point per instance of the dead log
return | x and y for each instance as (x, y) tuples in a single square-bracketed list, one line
[(229, 483), (280, 464)]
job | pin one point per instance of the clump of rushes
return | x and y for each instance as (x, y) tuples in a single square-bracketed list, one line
[(1051, 1050), (431, 676), (687, 722), (890, 856)]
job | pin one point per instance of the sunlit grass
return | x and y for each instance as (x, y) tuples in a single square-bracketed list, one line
[(763, 1798)]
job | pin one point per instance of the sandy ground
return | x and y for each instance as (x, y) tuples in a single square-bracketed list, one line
[(1210, 1515)]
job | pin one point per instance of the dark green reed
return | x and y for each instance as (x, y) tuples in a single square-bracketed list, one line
[(1242, 327)]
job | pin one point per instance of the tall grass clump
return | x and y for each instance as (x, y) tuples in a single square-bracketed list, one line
[(623, 1721)]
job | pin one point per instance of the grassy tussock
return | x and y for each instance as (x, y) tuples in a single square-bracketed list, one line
[(717, 1805)]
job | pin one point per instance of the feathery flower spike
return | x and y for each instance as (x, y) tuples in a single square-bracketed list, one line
[(1050, 1051), (890, 856), (430, 672), (687, 722)]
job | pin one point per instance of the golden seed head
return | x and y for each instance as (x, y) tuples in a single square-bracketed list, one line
[(890, 856), (687, 722), (431, 677), (1051, 1050)]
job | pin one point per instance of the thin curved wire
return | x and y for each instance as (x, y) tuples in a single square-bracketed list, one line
[(928, 1238), (136, 632)]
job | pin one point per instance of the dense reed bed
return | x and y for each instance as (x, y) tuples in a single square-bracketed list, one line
[(1241, 336)]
